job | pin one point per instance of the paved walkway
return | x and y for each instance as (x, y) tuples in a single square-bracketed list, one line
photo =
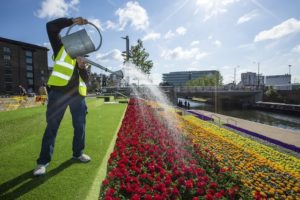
[(283, 135)]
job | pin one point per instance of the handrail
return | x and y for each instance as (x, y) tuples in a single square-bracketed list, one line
[(235, 122)]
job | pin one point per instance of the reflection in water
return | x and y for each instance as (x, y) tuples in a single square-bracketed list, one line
[(269, 118)]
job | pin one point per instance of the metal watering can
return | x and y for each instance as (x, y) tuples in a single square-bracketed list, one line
[(79, 44)]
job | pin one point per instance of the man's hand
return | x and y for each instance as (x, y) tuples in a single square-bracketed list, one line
[(80, 21), (81, 63)]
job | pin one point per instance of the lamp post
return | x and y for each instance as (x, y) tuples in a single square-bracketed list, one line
[(235, 74)]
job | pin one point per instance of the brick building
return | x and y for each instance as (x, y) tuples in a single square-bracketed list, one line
[(22, 64)]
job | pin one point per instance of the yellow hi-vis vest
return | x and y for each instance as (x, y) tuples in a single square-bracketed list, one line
[(62, 71)]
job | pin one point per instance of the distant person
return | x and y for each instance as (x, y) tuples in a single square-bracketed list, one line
[(188, 105), (22, 91), (185, 104), (67, 87), (43, 90), (43, 93)]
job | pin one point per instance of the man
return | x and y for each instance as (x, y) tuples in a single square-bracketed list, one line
[(66, 88), (22, 90)]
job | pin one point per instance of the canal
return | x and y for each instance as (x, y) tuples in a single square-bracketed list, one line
[(271, 118)]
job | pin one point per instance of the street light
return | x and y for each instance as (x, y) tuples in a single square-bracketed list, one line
[(126, 53), (235, 74)]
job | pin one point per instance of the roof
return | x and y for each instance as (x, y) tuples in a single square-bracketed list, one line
[(22, 43)]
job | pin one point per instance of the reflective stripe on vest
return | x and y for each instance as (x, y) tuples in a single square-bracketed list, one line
[(62, 71)]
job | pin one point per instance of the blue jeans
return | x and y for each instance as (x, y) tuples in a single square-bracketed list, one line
[(57, 105)]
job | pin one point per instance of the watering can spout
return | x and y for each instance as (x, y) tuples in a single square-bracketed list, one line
[(119, 74)]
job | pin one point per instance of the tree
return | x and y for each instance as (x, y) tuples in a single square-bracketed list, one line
[(139, 57), (208, 80), (272, 94)]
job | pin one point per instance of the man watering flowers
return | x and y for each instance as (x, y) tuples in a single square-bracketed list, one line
[(67, 87)]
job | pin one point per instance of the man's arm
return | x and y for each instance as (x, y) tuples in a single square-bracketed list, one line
[(53, 29)]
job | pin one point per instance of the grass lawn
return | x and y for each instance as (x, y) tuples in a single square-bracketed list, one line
[(21, 133)]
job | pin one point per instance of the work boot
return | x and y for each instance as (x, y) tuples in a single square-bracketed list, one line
[(40, 170), (83, 158)]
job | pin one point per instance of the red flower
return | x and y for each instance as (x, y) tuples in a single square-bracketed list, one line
[(147, 197), (175, 191), (135, 197), (213, 185), (209, 197), (189, 184), (105, 182), (201, 184)]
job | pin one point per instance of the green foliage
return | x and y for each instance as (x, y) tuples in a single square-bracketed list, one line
[(271, 92), (209, 80), (139, 57)]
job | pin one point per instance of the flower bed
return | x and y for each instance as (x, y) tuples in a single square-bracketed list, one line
[(153, 161), (267, 172)]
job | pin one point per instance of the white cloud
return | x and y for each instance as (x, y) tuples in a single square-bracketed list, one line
[(296, 49), (111, 25), (247, 17), (195, 43), (181, 30), (285, 28), (210, 37), (151, 36), (169, 35), (113, 55), (183, 54), (214, 7), (218, 43), (96, 22), (56, 8), (133, 14)]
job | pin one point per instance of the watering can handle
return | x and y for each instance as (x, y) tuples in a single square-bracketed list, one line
[(67, 33)]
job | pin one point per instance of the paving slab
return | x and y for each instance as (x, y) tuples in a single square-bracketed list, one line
[(284, 135)]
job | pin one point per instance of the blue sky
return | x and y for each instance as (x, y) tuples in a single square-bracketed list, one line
[(180, 35)]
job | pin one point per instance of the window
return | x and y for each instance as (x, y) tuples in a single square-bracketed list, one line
[(8, 71), (29, 67), (6, 57), (28, 60), (8, 87), (29, 75), (6, 50), (30, 81), (28, 53), (8, 79), (42, 71)]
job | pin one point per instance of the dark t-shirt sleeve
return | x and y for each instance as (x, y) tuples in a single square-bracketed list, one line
[(53, 29)]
